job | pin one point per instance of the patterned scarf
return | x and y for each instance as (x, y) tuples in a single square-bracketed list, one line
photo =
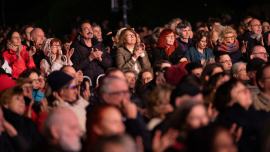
[(16, 50), (228, 47)]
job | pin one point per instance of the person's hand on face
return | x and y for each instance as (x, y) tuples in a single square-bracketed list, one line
[(43, 106), (69, 53), (129, 108), (79, 76), (58, 55), (98, 55), (32, 51), (142, 48)]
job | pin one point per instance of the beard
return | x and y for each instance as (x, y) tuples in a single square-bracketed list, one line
[(70, 145)]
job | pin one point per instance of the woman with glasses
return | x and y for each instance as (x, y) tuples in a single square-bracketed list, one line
[(199, 52), (129, 54), (228, 43), (16, 54), (54, 59)]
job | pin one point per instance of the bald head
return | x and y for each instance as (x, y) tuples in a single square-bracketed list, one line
[(259, 51), (255, 27), (37, 36), (69, 70)]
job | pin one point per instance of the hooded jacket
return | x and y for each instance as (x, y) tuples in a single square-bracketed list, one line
[(18, 60), (81, 61)]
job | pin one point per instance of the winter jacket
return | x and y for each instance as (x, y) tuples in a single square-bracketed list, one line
[(247, 36), (37, 119), (80, 59), (37, 95), (27, 47), (124, 59), (193, 55), (24, 126), (38, 57), (183, 45), (18, 65)]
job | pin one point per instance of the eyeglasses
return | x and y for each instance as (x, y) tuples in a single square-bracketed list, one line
[(170, 36), (16, 37), (87, 29), (118, 93), (73, 86), (262, 53), (27, 87), (130, 35), (259, 25), (231, 37), (56, 46), (226, 61), (242, 70), (36, 80)]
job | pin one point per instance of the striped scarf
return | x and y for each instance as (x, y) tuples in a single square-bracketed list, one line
[(228, 47)]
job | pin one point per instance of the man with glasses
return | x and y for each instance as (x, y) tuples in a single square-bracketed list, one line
[(224, 60), (259, 51), (37, 37), (183, 29), (89, 54), (253, 36)]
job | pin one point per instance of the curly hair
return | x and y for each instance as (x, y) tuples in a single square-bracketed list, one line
[(198, 37), (224, 31)]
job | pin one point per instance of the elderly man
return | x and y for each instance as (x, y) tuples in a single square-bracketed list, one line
[(61, 131), (94, 64), (37, 37), (253, 36), (259, 51), (183, 30)]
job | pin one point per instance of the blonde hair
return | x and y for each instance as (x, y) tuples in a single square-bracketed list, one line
[(225, 30)]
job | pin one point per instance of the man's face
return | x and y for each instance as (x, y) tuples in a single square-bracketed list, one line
[(97, 32), (27, 33), (66, 46), (131, 79), (226, 62), (185, 33), (255, 27), (87, 31), (265, 83), (70, 92), (38, 38), (70, 134), (119, 92), (259, 52)]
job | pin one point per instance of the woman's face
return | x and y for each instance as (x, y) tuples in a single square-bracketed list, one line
[(54, 47), (111, 123), (229, 37), (241, 95), (202, 43), (16, 39), (242, 73), (16, 104), (131, 79), (197, 117), (214, 36), (170, 39), (223, 142), (35, 80), (130, 38)]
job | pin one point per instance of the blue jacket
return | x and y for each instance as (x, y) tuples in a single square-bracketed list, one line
[(193, 55), (37, 95), (183, 45)]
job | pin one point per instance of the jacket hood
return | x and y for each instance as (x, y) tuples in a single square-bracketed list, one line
[(46, 47)]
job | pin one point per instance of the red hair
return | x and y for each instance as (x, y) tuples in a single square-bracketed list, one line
[(162, 41)]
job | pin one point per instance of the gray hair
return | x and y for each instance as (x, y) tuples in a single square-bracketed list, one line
[(105, 85), (182, 25), (171, 23), (235, 67), (33, 31), (130, 71)]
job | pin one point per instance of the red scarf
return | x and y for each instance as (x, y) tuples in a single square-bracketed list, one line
[(228, 47), (170, 50)]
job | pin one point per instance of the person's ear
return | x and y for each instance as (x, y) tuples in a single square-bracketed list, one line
[(236, 76), (55, 132), (24, 35), (61, 92), (261, 83), (105, 97), (249, 28), (97, 130)]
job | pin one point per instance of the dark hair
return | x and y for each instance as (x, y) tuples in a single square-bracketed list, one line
[(223, 95), (66, 39), (9, 35), (108, 42), (191, 66), (26, 73), (182, 25), (218, 55), (192, 79), (157, 66), (260, 75), (83, 22), (208, 70), (211, 22), (242, 22), (24, 30), (198, 37), (253, 49)]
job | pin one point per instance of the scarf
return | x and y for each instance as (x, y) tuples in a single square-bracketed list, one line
[(228, 47), (15, 49), (170, 50)]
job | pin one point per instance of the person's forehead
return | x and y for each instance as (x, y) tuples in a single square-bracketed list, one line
[(129, 74), (260, 49), (39, 32), (146, 73), (29, 29), (187, 28), (118, 84), (86, 25), (97, 28), (225, 57), (255, 21)]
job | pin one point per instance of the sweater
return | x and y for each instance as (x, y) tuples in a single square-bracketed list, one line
[(193, 55)]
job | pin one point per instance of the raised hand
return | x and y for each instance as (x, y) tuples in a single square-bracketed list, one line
[(236, 133), (28, 112), (58, 56), (69, 53), (244, 47), (129, 109), (98, 54), (160, 144), (56, 95), (43, 106), (86, 92), (32, 51), (12, 132), (142, 47)]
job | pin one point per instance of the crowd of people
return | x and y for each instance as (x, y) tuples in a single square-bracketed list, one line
[(175, 90)]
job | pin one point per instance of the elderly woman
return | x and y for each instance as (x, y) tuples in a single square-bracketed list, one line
[(129, 54), (229, 44), (199, 52), (16, 54), (167, 48), (54, 59), (239, 72)]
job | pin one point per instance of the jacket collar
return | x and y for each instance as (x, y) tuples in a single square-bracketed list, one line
[(81, 41), (263, 98)]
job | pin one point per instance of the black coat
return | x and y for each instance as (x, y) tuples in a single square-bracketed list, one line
[(80, 59), (252, 122), (25, 127), (145, 91), (251, 41)]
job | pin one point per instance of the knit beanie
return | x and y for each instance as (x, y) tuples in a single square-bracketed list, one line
[(58, 79), (6, 82), (174, 74)]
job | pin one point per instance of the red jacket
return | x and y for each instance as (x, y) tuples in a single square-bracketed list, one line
[(37, 119), (18, 65)]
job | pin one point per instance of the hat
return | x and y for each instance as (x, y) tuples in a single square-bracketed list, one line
[(184, 89), (174, 74), (254, 64), (58, 79), (6, 82)]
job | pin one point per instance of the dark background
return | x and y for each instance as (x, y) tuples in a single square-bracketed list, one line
[(60, 15)]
